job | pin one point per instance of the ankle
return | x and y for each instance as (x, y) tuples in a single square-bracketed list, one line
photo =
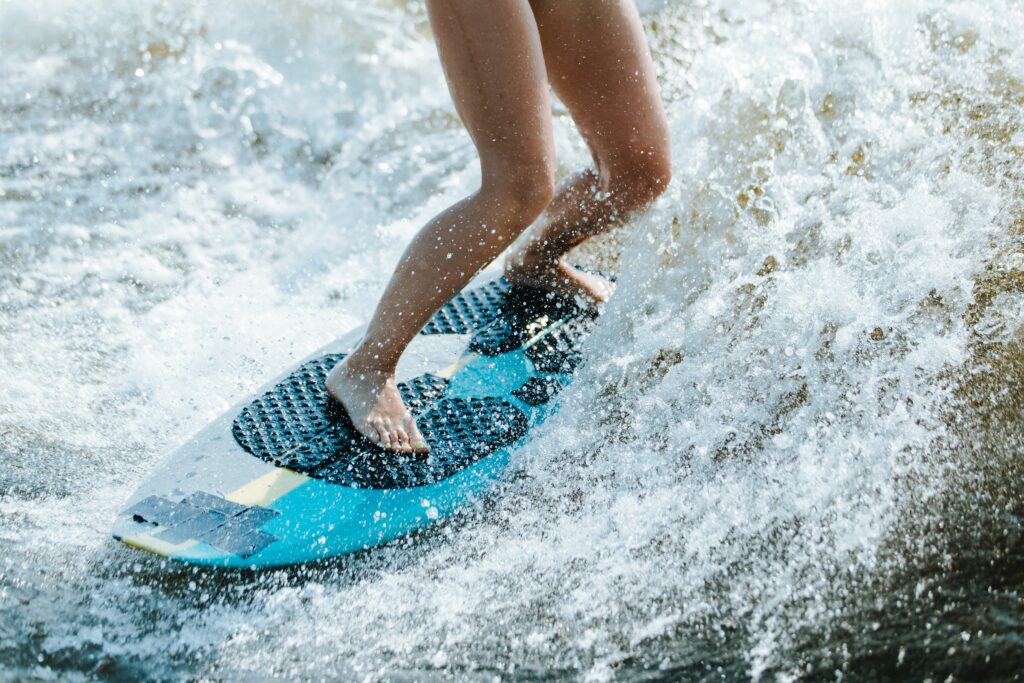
[(363, 360), (533, 261)]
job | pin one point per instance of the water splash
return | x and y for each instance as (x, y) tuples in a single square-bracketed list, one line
[(792, 451)]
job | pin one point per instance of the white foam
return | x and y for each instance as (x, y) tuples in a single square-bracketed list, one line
[(172, 239)]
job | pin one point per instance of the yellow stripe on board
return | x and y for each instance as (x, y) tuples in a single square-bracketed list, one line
[(155, 545), (268, 488), (462, 362)]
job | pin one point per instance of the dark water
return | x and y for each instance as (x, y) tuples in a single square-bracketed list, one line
[(794, 453)]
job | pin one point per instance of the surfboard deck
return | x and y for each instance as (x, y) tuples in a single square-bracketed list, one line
[(283, 478)]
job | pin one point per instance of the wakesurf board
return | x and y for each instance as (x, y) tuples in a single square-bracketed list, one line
[(284, 478)]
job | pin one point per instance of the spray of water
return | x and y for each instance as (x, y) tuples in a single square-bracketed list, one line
[(792, 452)]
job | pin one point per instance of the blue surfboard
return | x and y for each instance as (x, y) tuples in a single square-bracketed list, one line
[(283, 478)]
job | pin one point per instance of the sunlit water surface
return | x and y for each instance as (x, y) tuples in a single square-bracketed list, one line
[(794, 451)]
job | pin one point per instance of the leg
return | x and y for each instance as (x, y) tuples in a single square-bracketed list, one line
[(492, 57), (599, 65)]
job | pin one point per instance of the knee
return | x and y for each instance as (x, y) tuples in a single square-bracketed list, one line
[(522, 192), (635, 184)]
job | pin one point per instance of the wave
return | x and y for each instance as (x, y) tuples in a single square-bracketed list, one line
[(793, 448)]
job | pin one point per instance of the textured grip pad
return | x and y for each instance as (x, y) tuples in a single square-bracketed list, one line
[(297, 425)]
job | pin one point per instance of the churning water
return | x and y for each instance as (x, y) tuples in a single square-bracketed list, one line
[(794, 452)]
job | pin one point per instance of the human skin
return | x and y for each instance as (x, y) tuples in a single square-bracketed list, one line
[(501, 58)]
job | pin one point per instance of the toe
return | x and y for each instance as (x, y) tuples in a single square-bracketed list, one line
[(394, 442), (416, 440), (378, 433), (403, 438), (399, 437)]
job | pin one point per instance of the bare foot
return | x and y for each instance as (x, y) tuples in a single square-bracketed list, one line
[(558, 277), (372, 400)]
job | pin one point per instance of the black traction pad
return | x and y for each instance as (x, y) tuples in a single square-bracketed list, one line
[(459, 431), (223, 524), (470, 310), (559, 351), (538, 390), (298, 426), (503, 317), (286, 418)]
